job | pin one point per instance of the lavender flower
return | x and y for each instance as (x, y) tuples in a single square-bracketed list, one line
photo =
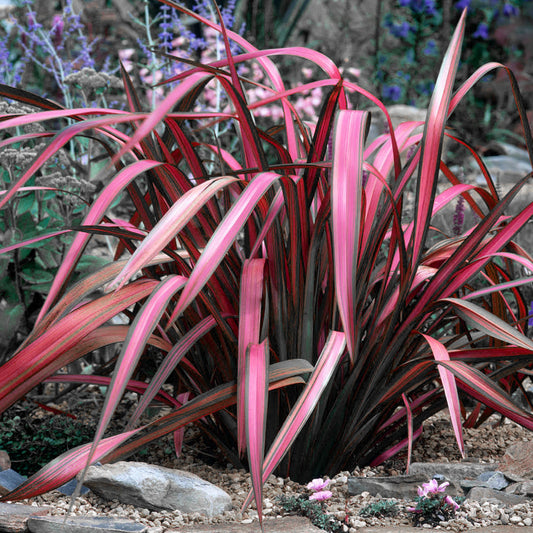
[(482, 32), (510, 11), (391, 92), (462, 4)]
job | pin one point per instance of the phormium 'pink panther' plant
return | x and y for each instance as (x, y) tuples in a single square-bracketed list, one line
[(279, 282)]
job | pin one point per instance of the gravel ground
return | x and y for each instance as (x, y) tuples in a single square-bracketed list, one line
[(437, 444)]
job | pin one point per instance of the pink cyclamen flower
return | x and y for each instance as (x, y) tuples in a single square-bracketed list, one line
[(321, 496), (432, 487), (318, 484), (450, 501)]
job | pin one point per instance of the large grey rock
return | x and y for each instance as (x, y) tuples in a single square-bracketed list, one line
[(10, 480), (509, 168), (494, 480), (483, 494), (387, 487), (83, 524), (452, 472), (14, 516), (155, 487)]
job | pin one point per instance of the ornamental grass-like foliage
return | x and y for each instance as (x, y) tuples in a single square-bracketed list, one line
[(304, 306)]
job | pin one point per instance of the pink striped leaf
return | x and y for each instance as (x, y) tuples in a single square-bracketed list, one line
[(64, 468), (280, 375), (172, 222), (81, 289), (346, 209), (391, 452), (310, 396), (223, 237), (172, 359), (431, 146), (256, 403), (488, 323), (133, 385), (483, 389), (30, 365), (440, 353), (94, 216), (142, 327), (250, 301)]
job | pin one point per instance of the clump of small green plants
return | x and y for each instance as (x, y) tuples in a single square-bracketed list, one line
[(312, 506), (32, 442), (380, 509), (433, 505)]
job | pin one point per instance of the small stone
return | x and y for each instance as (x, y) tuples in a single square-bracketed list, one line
[(515, 519), (5, 461), (528, 521)]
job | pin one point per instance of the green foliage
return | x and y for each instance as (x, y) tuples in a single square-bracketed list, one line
[(433, 510), (33, 442), (380, 509), (313, 510)]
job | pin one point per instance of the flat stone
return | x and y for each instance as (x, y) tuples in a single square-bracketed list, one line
[(14, 516), (452, 472), (387, 487), (482, 494), (10, 480), (154, 487), (83, 524), (494, 480), (292, 524), (5, 461), (518, 460), (469, 484)]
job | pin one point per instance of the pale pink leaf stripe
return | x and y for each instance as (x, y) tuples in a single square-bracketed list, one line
[(346, 194), (251, 295)]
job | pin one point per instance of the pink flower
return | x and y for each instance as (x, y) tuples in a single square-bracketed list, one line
[(450, 501), (430, 488), (318, 484), (320, 496)]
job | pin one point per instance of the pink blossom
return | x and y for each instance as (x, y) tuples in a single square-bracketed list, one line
[(432, 487), (318, 484), (320, 496), (450, 501)]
